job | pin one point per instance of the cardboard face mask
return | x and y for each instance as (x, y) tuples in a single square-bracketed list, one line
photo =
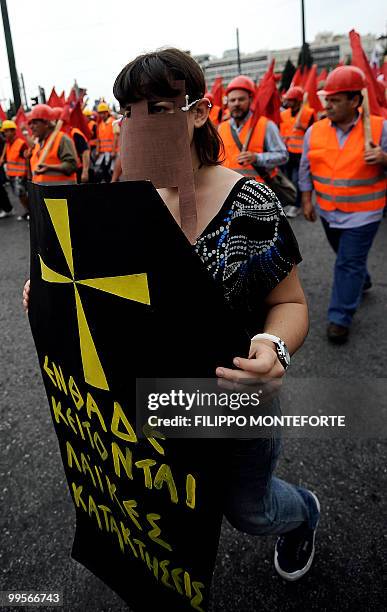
[(156, 147)]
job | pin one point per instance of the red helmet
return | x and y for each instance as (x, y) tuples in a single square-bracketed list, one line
[(241, 82), (56, 112), (41, 111), (344, 78), (294, 93)]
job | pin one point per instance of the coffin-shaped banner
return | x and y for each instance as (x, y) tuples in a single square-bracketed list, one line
[(117, 293)]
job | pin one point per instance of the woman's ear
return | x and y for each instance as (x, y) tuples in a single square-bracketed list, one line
[(201, 112)]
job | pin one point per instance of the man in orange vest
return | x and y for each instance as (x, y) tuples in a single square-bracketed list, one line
[(6, 209), (16, 165), (60, 164), (107, 144), (295, 120), (266, 149), (349, 180), (92, 123), (92, 127), (215, 111)]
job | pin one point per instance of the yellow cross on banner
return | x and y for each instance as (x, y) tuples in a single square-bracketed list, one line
[(131, 287)]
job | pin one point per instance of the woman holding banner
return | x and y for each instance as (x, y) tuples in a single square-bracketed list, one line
[(241, 234)]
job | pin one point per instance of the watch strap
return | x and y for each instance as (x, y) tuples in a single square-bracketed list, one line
[(280, 346)]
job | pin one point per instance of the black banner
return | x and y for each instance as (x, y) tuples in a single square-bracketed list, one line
[(118, 293)]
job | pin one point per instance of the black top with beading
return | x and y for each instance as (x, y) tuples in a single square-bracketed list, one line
[(249, 246)]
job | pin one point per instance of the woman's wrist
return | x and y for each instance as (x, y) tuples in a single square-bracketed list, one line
[(268, 343)]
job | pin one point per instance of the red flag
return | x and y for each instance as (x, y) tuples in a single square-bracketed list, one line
[(3, 116), (323, 75), (305, 75), (78, 120), (72, 97), (267, 100), (383, 70), (65, 117), (22, 123), (300, 77), (273, 107), (297, 79), (378, 105), (382, 86), (311, 89), (54, 100), (62, 98), (218, 92), (74, 118)]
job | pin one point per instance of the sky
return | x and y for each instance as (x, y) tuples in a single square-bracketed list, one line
[(92, 40)]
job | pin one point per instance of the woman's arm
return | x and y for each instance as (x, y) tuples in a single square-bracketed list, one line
[(288, 312), (287, 318)]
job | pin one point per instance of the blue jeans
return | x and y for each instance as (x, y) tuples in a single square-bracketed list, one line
[(351, 247), (257, 502)]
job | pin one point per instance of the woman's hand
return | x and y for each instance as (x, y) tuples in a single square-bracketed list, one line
[(262, 363), (26, 295)]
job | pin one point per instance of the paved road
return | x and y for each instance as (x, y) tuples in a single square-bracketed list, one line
[(37, 520)]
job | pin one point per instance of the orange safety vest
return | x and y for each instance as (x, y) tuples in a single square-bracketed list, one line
[(341, 178), (92, 141), (293, 136), (105, 136), (52, 158), (256, 145), (16, 164), (72, 132), (214, 114)]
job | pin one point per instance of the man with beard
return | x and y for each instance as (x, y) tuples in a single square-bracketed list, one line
[(265, 150), (60, 164)]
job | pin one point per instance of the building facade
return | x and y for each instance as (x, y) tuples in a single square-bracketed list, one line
[(327, 49)]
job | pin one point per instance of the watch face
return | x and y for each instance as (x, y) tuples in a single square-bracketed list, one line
[(283, 353)]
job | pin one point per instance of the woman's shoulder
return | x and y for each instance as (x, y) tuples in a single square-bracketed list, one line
[(256, 200)]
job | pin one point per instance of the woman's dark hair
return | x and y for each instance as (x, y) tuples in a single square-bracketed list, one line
[(152, 75)]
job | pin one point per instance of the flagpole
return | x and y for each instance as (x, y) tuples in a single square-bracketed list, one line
[(238, 53), (303, 33), (11, 56), (24, 90)]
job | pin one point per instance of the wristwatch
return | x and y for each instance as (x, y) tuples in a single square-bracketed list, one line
[(280, 346)]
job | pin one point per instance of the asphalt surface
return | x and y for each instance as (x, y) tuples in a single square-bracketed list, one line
[(349, 476)]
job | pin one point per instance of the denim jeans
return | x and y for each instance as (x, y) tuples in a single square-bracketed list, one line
[(257, 502), (351, 246)]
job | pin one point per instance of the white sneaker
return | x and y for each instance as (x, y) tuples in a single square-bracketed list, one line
[(4, 214), (292, 211)]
